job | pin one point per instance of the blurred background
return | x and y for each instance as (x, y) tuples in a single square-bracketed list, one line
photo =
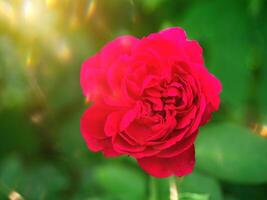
[(42, 46)]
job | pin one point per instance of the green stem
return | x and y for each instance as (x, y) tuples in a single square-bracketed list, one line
[(174, 193), (152, 188)]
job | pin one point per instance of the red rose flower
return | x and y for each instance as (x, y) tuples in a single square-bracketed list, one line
[(149, 96)]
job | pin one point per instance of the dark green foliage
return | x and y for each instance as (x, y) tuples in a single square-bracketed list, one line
[(243, 152)]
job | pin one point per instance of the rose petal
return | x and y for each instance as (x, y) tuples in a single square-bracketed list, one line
[(124, 146), (92, 129), (129, 117), (92, 77), (93, 120), (183, 121), (173, 137), (210, 85), (113, 50), (194, 51), (108, 149), (180, 165), (112, 125), (174, 34), (197, 120), (139, 132), (179, 147)]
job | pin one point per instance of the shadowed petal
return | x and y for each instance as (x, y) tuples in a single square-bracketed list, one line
[(179, 165)]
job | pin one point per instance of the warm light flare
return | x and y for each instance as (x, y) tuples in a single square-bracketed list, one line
[(34, 20), (51, 3), (14, 196), (87, 99), (29, 60), (29, 12), (260, 129), (63, 52), (91, 9), (61, 49), (7, 13), (74, 22), (36, 118), (263, 132)]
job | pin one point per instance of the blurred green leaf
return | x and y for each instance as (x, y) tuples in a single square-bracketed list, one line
[(201, 184), (87, 186), (12, 75), (11, 175), (226, 44), (232, 153), (261, 96), (246, 192), (122, 182), (45, 182), (255, 6), (230, 198), (150, 5), (193, 196), (193, 183), (70, 141), (161, 188), (19, 134)]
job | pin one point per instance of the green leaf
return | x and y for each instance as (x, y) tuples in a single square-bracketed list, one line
[(11, 175), (261, 94), (151, 5), (14, 86), (193, 196), (45, 182), (162, 188), (246, 192), (232, 153), (201, 184), (19, 134), (230, 198), (255, 6), (225, 39), (70, 141), (121, 182)]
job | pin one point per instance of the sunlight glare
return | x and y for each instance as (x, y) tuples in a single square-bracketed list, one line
[(29, 12), (91, 9), (7, 13)]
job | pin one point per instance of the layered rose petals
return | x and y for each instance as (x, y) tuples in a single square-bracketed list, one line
[(179, 165), (149, 96)]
